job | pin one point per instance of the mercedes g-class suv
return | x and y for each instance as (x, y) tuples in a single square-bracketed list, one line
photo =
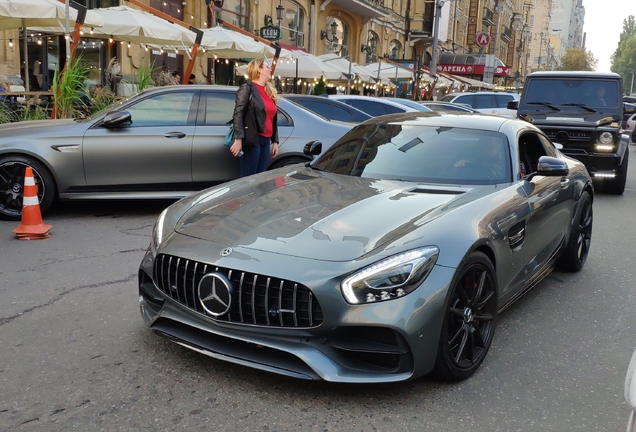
[(583, 112)]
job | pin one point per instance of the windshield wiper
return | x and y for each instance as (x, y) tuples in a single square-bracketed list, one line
[(549, 105), (585, 107)]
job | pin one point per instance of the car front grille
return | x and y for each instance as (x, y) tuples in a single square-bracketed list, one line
[(259, 300), (564, 136)]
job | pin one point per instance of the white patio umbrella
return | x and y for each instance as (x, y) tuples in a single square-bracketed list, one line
[(40, 13), (124, 23), (388, 71), (342, 64), (302, 65), (231, 44)]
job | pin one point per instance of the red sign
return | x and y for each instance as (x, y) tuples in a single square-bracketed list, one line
[(467, 69), (482, 38)]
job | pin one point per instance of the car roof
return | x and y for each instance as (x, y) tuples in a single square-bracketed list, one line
[(573, 74), (483, 92), (381, 100), (455, 119)]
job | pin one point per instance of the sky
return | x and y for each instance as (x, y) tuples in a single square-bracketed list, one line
[(603, 26)]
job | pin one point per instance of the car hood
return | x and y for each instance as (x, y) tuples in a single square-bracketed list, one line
[(317, 215), (48, 127), (578, 118)]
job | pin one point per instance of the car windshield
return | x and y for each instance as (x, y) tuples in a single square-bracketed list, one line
[(412, 152), (581, 93)]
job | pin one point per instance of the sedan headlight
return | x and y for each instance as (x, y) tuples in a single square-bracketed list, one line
[(157, 233), (390, 278)]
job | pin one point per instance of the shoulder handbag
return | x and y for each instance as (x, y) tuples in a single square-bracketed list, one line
[(229, 136)]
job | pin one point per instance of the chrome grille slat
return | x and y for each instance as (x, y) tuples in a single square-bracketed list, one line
[(295, 304), (254, 299)]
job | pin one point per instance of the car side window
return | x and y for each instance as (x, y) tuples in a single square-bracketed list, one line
[(219, 108), (531, 147), (392, 110), (369, 107), (485, 101), (548, 146), (466, 99), (327, 110), (502, 100), (168, 109)]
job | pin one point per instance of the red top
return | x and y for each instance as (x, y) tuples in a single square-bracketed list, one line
[(270, 111)]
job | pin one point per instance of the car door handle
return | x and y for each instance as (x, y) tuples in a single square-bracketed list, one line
[(175, 135), (565, 182)]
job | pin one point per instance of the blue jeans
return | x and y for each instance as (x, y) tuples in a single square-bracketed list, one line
[(254, 159)]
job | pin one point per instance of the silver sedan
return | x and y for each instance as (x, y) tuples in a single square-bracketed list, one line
[(166, 142)]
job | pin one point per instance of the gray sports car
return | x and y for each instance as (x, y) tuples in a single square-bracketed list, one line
[(166, 142), (386, 258)]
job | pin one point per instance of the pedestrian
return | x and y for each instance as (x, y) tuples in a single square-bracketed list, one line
[(192, 78), (176, 76), (254, 120)]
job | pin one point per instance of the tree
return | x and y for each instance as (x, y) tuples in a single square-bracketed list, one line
[(624, 58), (320, 88), (578, 59)]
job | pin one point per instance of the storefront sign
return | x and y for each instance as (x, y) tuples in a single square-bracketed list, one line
[(464, 69), (270, 32)]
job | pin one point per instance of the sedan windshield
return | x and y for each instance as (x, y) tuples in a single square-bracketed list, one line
[(412, 152)]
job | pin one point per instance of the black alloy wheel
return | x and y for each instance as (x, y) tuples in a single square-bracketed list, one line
[(469, 321), (12, 170), (578, 247)]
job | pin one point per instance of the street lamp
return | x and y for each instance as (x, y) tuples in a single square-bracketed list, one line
[(280, 9)]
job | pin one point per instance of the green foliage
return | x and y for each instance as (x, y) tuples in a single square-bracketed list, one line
[(32, 110), (577, 59), (403, 94), (103, 97), (144, 77), (624, 58), (320, 88), (70, 96)]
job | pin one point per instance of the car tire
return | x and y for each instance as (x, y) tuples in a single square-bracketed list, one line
[(578, 247), (12, 169), (289, 161), (616, 186), (470, 319)]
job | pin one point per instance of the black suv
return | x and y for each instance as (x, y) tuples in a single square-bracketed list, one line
[(583, 112)]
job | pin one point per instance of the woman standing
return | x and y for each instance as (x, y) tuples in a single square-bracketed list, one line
[(255, 128)]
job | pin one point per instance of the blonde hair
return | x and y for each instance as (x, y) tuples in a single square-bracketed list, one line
[(253, 74)]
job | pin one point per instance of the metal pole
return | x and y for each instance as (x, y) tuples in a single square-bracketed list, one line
[(296, 80), (377, 85), (438, 15), (349, 75), (631, 88), (26, 59), (67, 30), (494, 45)]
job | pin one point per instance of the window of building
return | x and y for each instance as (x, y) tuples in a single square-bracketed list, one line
[(371, 48), (395, 49), (337, 43)]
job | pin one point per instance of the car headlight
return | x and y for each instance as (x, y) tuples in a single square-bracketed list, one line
[(606, 138), (157, 233), (390, 278)]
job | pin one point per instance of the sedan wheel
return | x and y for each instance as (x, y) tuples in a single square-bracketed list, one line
[(469, 321), (578, 248), (12, 185)]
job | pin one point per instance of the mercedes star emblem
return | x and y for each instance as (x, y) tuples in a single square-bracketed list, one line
[(227, 251), (215, 294)]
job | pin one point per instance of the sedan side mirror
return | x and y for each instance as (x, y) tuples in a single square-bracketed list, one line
[(313, 148), (552, 167), (116, 119), (513, 105)]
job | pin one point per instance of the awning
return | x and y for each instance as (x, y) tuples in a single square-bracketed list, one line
[(291, 47)]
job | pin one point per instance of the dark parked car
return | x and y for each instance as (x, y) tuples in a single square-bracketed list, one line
[(329, 108), (583, 112), (386, 258), (373, 106), (166, 142)]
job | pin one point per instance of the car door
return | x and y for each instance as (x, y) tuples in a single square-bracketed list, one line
[(486, 103), (551, 200), (153, 153)]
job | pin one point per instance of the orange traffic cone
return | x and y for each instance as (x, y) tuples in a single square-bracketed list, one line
[(32, 227)]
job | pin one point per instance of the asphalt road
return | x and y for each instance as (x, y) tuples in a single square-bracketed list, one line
[(76, 356)]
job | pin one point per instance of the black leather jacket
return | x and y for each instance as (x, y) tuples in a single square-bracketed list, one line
[(249, 116)]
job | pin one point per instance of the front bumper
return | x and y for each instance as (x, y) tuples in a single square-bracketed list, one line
[(385, 341)]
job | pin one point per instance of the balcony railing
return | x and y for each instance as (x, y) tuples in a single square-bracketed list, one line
[(487, 18), (506, 35)]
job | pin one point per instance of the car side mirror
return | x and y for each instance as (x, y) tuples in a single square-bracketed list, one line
[(552, 167), (513, 105), (313, 148), (116, 119), (629, 108)]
